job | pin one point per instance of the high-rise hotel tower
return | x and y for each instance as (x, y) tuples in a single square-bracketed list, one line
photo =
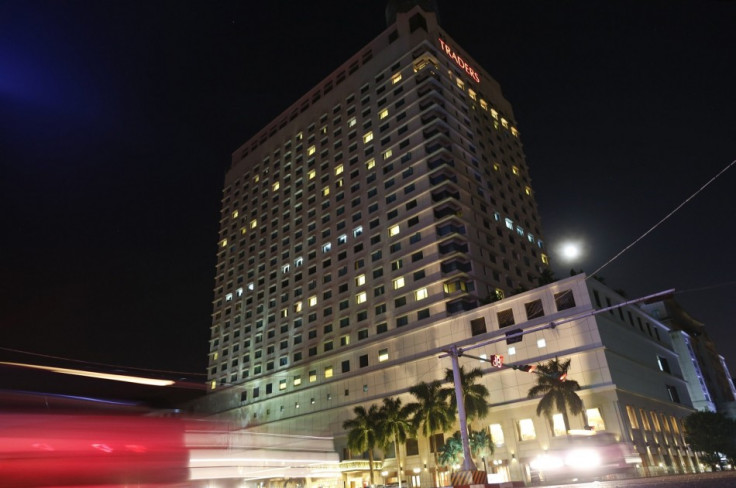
[(393, 194)]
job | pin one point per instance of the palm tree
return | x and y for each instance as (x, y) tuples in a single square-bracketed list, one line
[(557, 391), (430, 413), (480, 444), (362, 432), (452, 451), (394, 427), (475, 396)]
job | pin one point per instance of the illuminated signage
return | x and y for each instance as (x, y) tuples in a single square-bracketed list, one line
[(459, 61)]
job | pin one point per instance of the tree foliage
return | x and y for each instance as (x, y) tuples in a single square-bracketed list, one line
[(362, 432), (394, 426), (556, 395), (712, 434), (430, 413), (475, 395)]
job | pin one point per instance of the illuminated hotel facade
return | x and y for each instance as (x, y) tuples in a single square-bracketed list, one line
[(363, 230)]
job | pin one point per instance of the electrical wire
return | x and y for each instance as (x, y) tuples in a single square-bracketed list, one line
[(728, 166), (92, 363)]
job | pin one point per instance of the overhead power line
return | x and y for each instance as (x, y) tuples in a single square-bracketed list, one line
[(728, 166), (106, 365)]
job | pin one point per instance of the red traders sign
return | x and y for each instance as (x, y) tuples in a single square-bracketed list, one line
[(459, 61)]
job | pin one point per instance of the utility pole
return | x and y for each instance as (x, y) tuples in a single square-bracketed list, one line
[(468, 464)]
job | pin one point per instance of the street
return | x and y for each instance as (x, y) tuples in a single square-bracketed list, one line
[(724, 479)]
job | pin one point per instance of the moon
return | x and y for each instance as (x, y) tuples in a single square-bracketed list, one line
[(570, 251)]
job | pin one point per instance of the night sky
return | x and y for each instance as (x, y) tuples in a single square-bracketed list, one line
[(118, 118)]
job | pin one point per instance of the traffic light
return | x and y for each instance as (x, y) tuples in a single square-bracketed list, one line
[(529, 368)]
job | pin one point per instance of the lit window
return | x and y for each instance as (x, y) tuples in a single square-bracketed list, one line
[(387, 153), (243, 230), (382, 355), (325, 191), (514, 132), (223, 243), (312, 173), (520, 230), (256, 178), (421, 294), (383, 114), (357, 231), (515, 170), (558, 425), (311, 150), (512, 351), (460, 83), (361, 297), (339, 169), (483, 104), (342, 239), (541, 343), (254, 223), (528, 190), (276, 186), (351, 122), (545, 259), (509, 223), (497, 434), (285, 268), (284, 313), (282, 384), (370, 164), (251, 286), (472, 94), (297, 380), (328, 372), (327, 247), (526, 430), (229, 297), (360, 280), (235, 214), (312, 301), (399, 283), (594, 419), (505, 123), (393, 230), (299, 136), (367, 137), (494, 114), (239, 292)]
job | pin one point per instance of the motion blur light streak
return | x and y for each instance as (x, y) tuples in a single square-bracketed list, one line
[(92, 374)]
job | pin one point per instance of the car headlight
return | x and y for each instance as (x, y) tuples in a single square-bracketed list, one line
[(583, 459), (545, 462)]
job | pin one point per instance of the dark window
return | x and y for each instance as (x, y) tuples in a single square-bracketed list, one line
[(402, 321), (534, 309), (672, 391), (564, 300), (663, 364), (346, 366), (412, 447), (478, 326), (363, 361)]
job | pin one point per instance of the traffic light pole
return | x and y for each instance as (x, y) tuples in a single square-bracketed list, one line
[(468, 464)]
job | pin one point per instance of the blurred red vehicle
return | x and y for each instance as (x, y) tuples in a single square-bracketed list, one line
[(55, 450)]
